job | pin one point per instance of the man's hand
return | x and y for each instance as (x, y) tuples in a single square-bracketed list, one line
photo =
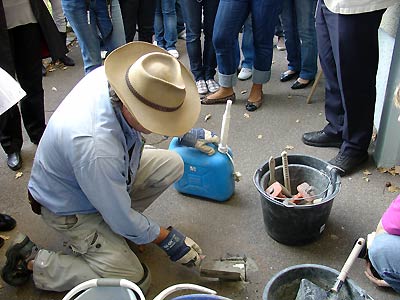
[(181, 249), (199, 138), (372, 278)]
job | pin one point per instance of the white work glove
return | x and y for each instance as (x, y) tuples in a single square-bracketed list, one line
[(199, 138), (181, 249)]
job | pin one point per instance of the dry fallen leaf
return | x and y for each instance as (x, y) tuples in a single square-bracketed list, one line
[(259, 136), (366, 178), (394, 189), (289, 96), (374, 135), (64, 68), (366, 172), (297, 121), (54, 89), (18, 175), (273, 62), (289, 147), (243, 92), (392, 170), (207, 117), (397, 169), (246, 115), (320, 114), (4, 237)]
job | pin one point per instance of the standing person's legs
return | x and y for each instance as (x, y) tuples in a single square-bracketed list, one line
[(117, 36), (292, 41), (264, 15), (230, 18), (248, 44), (28, 65), (75, 11), (356, 79), (210, 8), (305, 11), (180, 23), (159, 25), (192, 11), (169, 21), (333, 99), (129, 11), (147, 9)]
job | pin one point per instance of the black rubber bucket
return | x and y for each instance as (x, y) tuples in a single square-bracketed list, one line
[(300, 224), (285, 284)]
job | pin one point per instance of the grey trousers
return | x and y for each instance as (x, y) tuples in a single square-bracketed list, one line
[(98, 252)]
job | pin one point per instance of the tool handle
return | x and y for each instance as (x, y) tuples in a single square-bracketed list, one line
[(271, 164), (347, 265), (223, 145), (286, 176)]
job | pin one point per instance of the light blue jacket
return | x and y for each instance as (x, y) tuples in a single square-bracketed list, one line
[(82, 162)]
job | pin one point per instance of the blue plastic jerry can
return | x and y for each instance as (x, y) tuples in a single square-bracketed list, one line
[(207, 176)]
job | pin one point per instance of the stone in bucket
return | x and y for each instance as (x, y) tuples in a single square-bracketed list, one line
[(310, 291)]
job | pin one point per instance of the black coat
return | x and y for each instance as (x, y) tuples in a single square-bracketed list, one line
[(53, 39)]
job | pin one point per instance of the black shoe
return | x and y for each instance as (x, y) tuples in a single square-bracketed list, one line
[(67, 61), (44, 70), (14, 161), (15, 271), (321, 139), (7, 223), (346, 164), (285, 76), (297, 85)]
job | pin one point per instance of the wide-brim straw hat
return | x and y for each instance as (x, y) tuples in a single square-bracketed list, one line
[(155, 87)]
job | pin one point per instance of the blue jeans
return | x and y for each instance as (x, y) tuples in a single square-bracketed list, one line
[(165, 22), (100, 31), (298, 23), (203, 64), (180, 21), (230, 18), (248, 44), (384, 256)]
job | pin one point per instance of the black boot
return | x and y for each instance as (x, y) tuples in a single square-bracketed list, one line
[(65, 59)]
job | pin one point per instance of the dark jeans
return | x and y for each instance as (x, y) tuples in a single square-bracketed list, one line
[(180, 21), (202, 63), (138, 13), (349, 58), (25, 41)]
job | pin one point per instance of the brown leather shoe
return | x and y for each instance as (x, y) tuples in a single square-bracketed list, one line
[(207, 100)]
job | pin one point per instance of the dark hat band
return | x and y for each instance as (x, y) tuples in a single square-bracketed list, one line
[(147, 102)]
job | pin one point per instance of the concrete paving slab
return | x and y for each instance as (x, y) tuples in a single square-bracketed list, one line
[(234, 227)]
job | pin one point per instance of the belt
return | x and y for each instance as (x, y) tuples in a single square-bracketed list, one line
[(36, 206)]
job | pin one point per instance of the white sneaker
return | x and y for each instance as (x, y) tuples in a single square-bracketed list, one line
[(212, 85), (201, 87), (245, 73), (155, 43), (174, 53)]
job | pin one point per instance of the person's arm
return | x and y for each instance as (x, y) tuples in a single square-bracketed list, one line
[(104, 184)]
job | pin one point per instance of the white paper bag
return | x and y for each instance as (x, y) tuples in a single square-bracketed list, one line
[(10, 91)]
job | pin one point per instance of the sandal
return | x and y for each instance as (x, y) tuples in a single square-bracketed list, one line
[(252, 106), (207, 100)]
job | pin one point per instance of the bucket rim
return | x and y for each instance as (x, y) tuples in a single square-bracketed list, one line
[(331, 170), (309, 266)]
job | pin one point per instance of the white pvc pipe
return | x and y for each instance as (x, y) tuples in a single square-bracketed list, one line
[(223, 145)]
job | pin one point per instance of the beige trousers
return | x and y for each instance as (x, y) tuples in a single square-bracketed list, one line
[(97, 251)]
